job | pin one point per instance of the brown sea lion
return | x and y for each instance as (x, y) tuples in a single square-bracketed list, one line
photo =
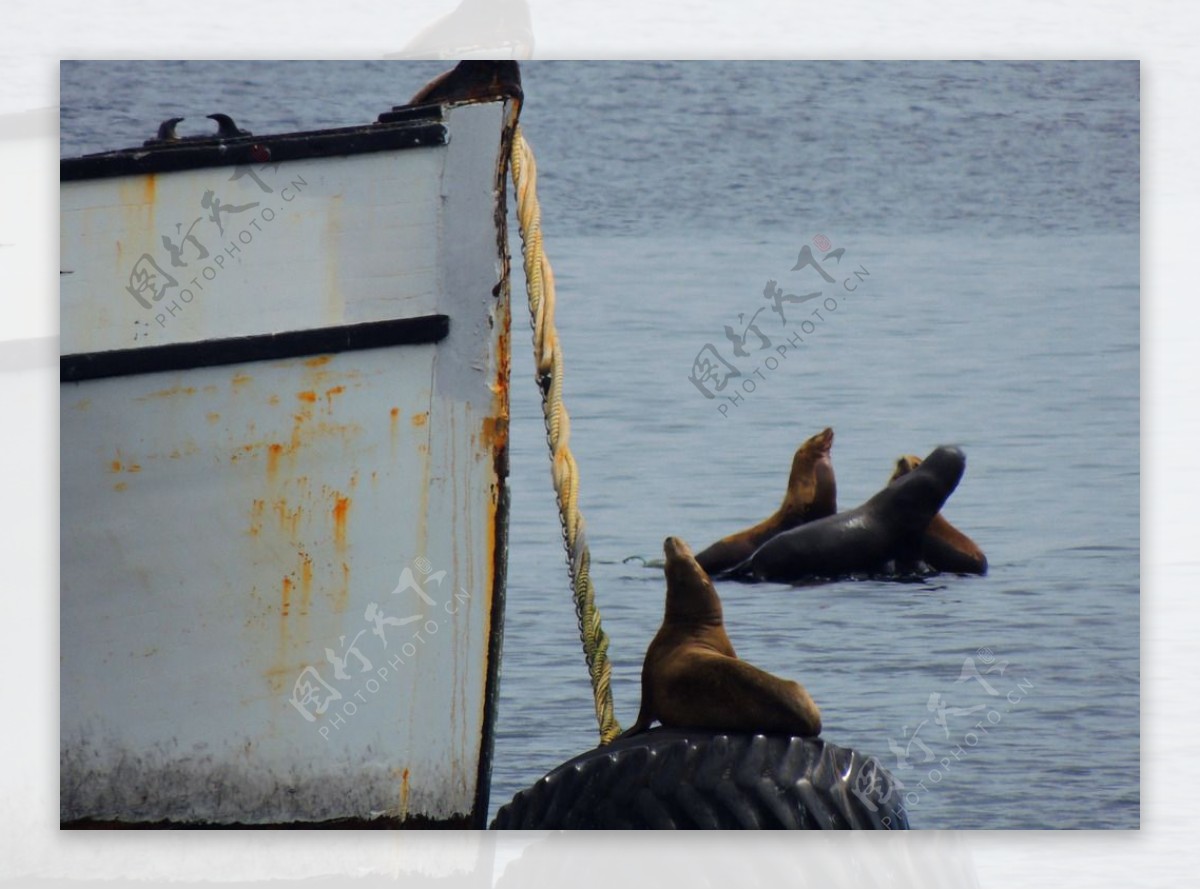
[(811, 494), (946, 549), (692, 678)]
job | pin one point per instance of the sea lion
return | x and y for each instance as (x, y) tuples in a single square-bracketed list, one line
[(226, 128), (944, 547), (692, 678), (811, 494), (882, 535)]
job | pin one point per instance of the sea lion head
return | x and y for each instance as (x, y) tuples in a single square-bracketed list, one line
[(946, 548), (812, 489), (918, 495), (691, 597), (904, 465)]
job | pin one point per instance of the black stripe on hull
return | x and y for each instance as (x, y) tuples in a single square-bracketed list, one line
[(262, 347)]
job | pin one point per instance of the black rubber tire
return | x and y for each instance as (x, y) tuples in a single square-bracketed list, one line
[(671, 778)]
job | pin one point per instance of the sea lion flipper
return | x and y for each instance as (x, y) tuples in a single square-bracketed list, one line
[(639, 725), (743, 571)]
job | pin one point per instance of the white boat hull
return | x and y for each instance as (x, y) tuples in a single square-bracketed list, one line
[(282, 555)]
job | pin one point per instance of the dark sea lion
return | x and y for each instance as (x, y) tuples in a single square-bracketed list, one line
[(692, 678), (945, 548), (880, 536), (811, 494)]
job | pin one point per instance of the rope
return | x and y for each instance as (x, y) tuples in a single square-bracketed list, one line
[(547, 354)]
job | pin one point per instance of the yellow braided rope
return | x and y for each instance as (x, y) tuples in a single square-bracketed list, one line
[(547, 354)]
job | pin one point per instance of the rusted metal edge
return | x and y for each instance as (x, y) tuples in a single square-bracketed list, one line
[(406, 133), (491, 696), (472, 80), (261, 347), (503, 294)]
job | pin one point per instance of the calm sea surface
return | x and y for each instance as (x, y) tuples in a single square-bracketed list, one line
[(988, 220)]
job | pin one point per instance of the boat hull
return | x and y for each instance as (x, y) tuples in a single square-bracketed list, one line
[(283, 491)]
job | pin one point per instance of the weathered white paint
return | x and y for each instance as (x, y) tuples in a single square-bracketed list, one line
[(334, 241), (223, 527)]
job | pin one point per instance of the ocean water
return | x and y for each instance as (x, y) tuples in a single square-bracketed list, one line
[(988, 218)]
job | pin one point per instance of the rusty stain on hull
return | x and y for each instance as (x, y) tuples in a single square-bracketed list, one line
[(404, 792), (289, 518), (342, 596), (169, 393), (256, 513), (308, 536), (395, 428), (295, 511), (495, 432), (274, 452), (331, 392), (341, 511), (306, 581), (122, 464)]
